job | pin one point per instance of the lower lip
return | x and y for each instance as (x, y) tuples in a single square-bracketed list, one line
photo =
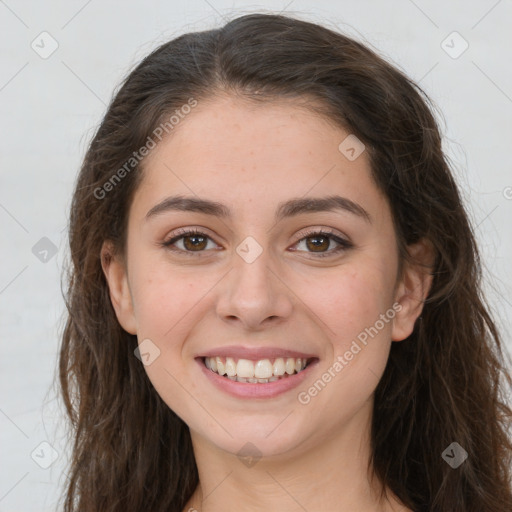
[(249, 390)]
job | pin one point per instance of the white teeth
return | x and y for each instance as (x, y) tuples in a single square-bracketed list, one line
[(290, 366), (262, 371), (245, 368), (230, 367), (220, 366), (279, 367), (253, 380)]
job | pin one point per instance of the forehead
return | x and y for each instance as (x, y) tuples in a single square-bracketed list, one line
[(255, 155)]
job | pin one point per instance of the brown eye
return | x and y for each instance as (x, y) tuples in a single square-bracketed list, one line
[(318, 243), (195, 242), (192, 241)]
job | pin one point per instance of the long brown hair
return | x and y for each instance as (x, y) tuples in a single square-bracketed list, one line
[(445, 384)]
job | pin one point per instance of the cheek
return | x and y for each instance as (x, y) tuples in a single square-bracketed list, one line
[(356, 308), (172, 305), (165, 303), (355, 305), (169, 307), (353, 300)]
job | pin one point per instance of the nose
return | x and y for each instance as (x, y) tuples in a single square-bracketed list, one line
[(254, 295)]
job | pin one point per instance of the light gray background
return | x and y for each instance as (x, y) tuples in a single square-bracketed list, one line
[(49, 108)]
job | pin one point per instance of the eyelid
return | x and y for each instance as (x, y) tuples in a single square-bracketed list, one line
[(181, 233), (342, 240), (327, 231)]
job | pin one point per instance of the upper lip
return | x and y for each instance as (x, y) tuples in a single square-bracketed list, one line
[(254, 353)]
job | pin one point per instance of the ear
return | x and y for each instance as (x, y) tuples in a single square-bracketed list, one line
[(413, 288), (114, 269)]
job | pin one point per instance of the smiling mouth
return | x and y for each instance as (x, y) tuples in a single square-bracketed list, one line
[(260, 371)]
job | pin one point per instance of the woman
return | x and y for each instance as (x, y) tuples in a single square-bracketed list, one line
[(274, 295)]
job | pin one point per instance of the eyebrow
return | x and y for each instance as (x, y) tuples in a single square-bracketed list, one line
[(289, 208)]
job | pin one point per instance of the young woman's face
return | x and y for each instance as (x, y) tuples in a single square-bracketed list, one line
[(260, 283)]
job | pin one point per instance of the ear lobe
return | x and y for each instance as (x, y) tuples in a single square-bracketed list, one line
[(413, 288), (117, 279)]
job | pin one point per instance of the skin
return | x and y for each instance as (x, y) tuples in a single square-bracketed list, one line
[(250, 158)]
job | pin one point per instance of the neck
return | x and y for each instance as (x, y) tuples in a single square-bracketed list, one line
[(328, 474)]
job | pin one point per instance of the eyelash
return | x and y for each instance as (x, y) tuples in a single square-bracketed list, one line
[(343, 244)]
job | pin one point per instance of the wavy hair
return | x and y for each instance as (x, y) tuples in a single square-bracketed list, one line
[(445, 384)]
